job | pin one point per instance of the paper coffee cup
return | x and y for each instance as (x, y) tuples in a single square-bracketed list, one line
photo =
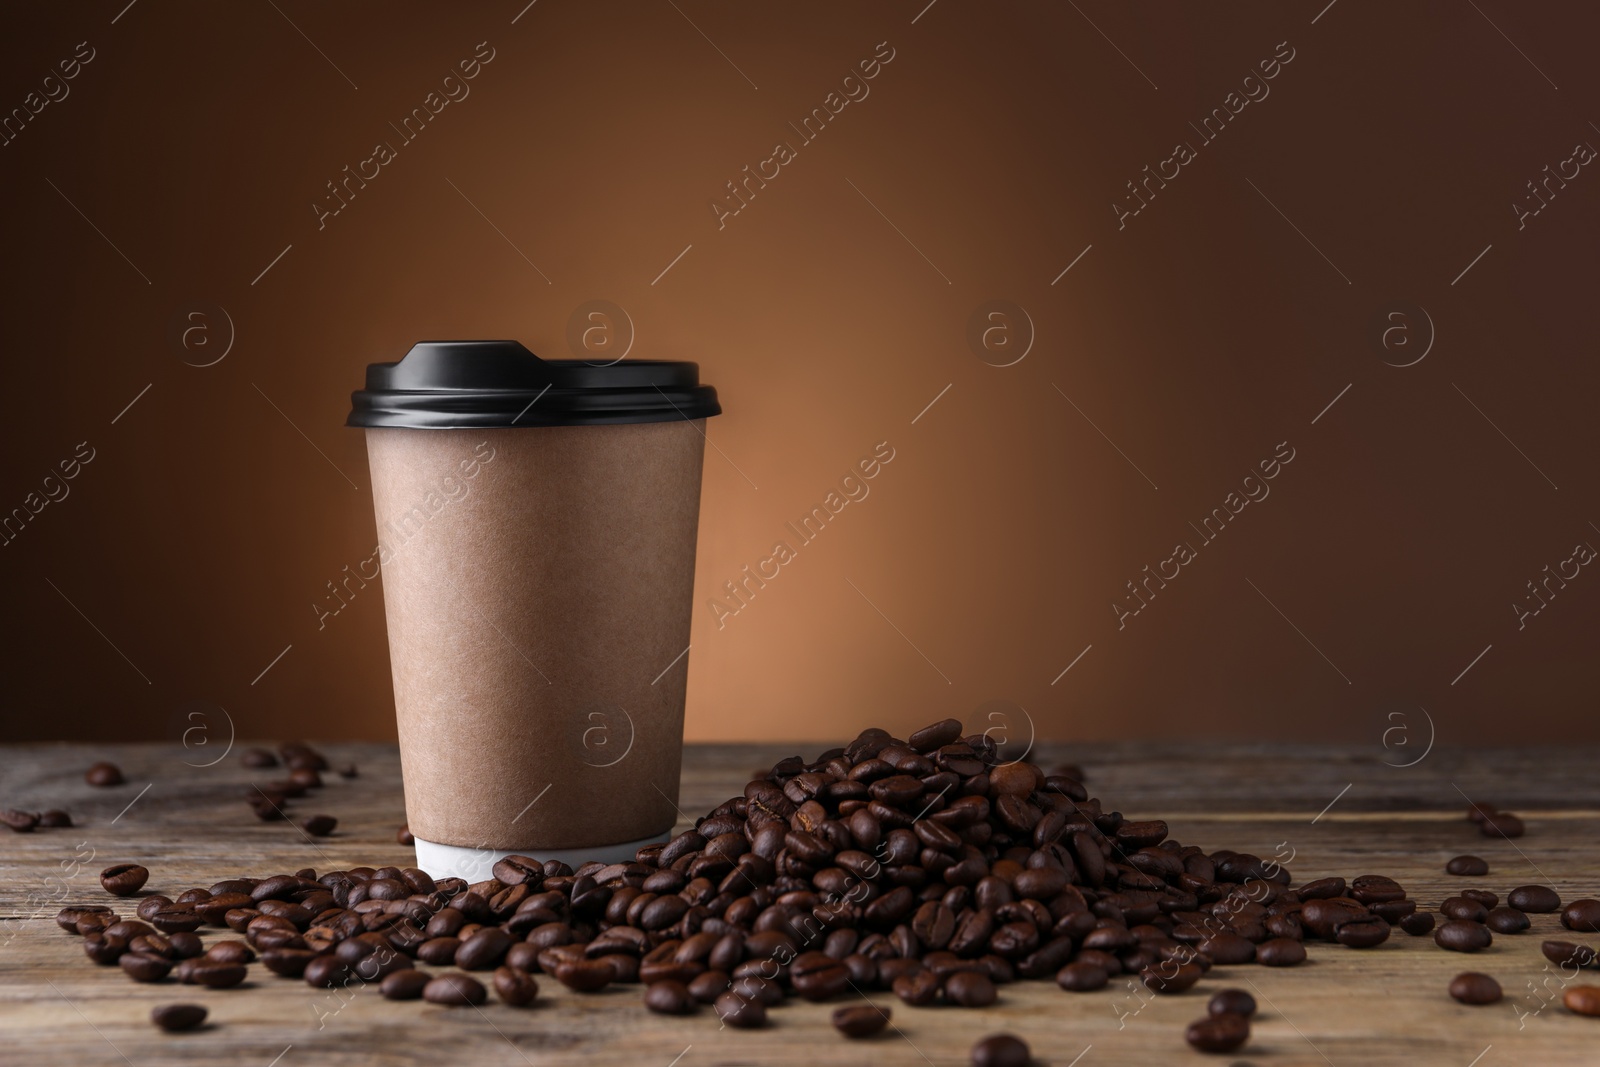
[(536, 527)]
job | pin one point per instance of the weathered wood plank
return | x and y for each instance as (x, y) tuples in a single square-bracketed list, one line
[(1382, 1006)]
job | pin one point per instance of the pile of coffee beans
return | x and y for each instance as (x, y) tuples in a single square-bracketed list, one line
[(929, 868)]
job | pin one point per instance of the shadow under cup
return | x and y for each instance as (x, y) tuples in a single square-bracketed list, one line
[(536, 527)]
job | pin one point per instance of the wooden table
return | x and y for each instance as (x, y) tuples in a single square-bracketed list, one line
[(1340, 810)]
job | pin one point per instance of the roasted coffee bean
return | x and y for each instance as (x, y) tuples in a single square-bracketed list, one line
[(1417, 923), (103, 773), (706, 988), (1363, 933), (144, 967), (176, 918), (54, 818), (1323, 889), (223, 951), (1470, 987), (439, 951), (484, 950), (21, 821), (124, 879), (1501, 824), (818, 976), (1463, 908), (742, 1012), (200, 971), (970, 989), (1231, 1002), (306, 778), (860, 1020), (1228, 948), (289, 962), (755, 987), (176, 1017), (454, 991), (258, 757), (1538, 899), (1280, 952), (69, 917), (1218, 1033), (583, 975), (404, 985), (1393, 911), (1504, 920), (1582, 915), (1462, 935), (403, 836), (1467, 866), (515, 986), (1001, 1050), (1373, 888), (325, 972), (1582, 999), (1170, 976), (1568, 954), (519, 870), (319, 825), (918, 989), (1082, 976), (667, 997)]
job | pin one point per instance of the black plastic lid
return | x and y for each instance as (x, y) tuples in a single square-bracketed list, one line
[(442, 385)]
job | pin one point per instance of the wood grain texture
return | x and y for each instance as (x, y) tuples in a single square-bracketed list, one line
[(1343, 1007)]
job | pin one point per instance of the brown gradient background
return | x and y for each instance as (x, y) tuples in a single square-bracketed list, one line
[(1197, 338)]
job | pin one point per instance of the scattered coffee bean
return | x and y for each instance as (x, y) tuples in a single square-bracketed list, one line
[(325, 972), (1231, 1002), (970, 989), (860, 1020), (1001, 1050), (1082, 977), (584, 976), (1501, 824), (201, 971), (103, 773), (454, 991), (1470, 987), (1417, 923), (176, 1017), (404, 985), (1582, 915), (1218, 1033), (1363, 933), (403, 836), (144, 967), (1568, 954), (22, 822), (668, 997), (1538, 899), (1463, 908), (515, 986), (1582, 999), (1463, 935), (1170, 976), (746, 1013), (707, 987), (124, 879), (1467, 866), (258, 757), (1482, 896), (54, 818), (319, 825), (1280, 952), (1504, 920)]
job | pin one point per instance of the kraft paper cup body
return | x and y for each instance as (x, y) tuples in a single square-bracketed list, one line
[(538, 585)]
